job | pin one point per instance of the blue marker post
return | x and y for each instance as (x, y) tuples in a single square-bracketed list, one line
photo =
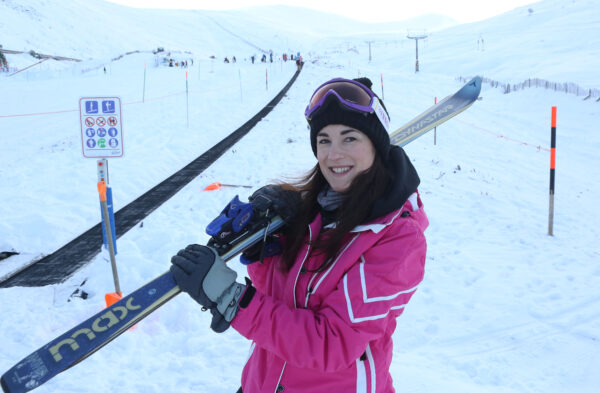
[(114, 297), (103, 176)]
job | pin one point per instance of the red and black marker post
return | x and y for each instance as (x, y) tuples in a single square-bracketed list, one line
[(552, 168)]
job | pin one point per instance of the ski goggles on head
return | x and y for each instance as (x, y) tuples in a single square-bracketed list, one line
[(350, 95)]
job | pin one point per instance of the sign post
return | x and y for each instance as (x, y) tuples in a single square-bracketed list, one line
[(102, 138)]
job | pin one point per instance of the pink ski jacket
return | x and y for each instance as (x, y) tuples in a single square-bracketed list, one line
[(331, 331)]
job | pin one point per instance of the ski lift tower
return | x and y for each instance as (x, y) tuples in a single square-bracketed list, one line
[(416, 36), (369, 42)]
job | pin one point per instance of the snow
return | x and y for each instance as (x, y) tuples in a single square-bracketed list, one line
[(503, 308)]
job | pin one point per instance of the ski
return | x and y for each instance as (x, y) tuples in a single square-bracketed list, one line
[(437, 114), (89, 336), (84, 339)]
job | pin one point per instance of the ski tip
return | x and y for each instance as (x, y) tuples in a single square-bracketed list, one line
[(472, 88), (475, 82)]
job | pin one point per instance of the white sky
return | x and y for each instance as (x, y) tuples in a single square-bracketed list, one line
[(372, 11)]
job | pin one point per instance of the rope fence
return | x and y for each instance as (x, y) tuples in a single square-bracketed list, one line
[(567, 87)]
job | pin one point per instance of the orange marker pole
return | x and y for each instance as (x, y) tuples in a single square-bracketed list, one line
[(111, 246), (552, 168), (217, 185)]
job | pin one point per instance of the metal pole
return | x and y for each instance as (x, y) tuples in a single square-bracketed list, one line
[(417, 48), (241, 92), (416, 37), (187, 103), (434, 128), (144, 90)]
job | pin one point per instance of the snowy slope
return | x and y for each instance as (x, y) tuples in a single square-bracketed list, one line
[(503, 307)]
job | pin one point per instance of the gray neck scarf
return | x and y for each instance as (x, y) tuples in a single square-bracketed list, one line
[(329, 199)]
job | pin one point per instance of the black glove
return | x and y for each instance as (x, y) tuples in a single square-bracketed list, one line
[(201, 273), (286, 203)]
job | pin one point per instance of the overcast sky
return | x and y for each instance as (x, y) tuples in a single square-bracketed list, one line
[(371, 11)]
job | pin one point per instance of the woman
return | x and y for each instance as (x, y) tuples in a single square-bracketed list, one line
[(321, 312)]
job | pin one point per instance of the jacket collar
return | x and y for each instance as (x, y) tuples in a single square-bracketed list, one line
[(412, 204)]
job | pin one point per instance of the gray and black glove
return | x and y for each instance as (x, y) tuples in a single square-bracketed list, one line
[(202, 274)]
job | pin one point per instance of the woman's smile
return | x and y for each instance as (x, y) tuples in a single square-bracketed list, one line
[(343, 153)]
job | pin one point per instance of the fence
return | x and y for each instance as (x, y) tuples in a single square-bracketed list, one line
[(569, 88)]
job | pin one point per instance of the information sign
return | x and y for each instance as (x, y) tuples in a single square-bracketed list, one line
[(101, 127)]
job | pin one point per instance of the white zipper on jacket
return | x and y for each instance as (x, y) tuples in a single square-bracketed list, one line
[(280, 376), (309, 290), (301, 266)]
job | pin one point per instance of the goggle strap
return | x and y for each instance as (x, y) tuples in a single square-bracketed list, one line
[(381, 114)]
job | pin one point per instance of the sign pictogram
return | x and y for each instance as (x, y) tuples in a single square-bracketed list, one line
[(101, 129), (108, 106), (112, 121), (91, 107)]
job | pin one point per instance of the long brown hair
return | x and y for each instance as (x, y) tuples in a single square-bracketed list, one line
[(365, 189)]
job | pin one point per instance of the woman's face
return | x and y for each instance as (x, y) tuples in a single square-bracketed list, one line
[(343, 152)]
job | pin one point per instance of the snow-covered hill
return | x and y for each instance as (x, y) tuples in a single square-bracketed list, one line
[(503, 307)]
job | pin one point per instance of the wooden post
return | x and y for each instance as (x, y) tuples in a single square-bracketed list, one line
[(552, 167)]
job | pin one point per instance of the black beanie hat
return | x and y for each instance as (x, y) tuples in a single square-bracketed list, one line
[(369, 124)]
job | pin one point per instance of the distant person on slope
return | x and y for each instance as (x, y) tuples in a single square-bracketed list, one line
[(326, 291)]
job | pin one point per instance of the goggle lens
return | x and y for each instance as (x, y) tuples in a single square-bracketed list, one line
[(348, 91)]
